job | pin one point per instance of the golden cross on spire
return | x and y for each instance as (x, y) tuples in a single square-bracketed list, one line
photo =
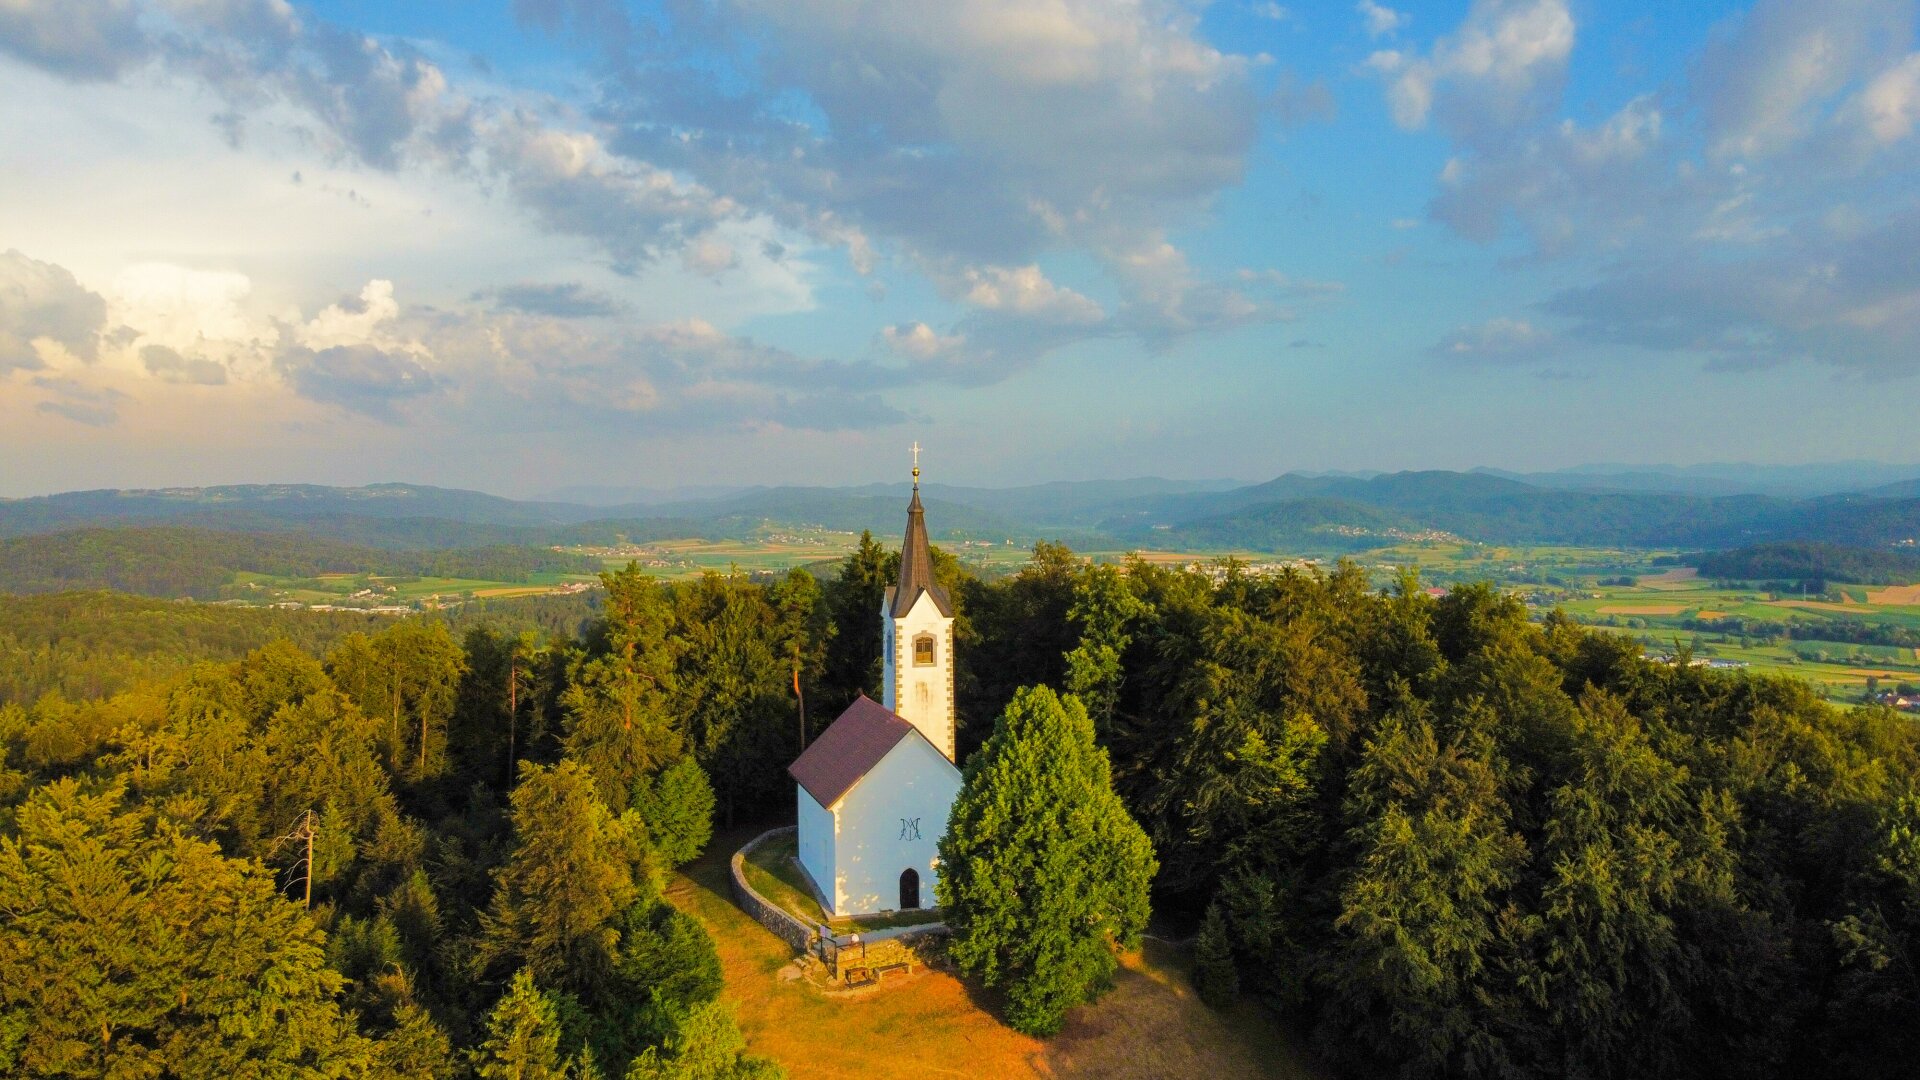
[(916, 462)]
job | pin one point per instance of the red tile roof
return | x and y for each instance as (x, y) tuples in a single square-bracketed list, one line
[(849, 748)]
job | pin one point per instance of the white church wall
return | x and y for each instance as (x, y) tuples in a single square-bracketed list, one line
[(815, 842), (921, 695), (891, 820)]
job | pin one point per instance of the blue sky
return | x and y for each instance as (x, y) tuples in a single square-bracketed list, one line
[(517, 246)]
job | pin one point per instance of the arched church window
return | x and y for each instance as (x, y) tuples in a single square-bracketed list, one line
[(909, 889), (923, 650)]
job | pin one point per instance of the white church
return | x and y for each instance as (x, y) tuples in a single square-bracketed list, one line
[(876, 786)]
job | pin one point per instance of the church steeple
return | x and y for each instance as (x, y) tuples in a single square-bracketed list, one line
[(917, 638), (916, 562), (916, 557)]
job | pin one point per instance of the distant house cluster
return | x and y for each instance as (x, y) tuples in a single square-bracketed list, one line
[(1893, 700), (1714, 662)]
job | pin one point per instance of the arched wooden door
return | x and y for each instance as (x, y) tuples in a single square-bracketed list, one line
[(909, 888)]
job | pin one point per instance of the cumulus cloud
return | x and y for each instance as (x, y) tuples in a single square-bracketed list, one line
[(1492, 71), (572, 184), (360, 378), (169, 366), (1561, 181), (78, 39), (1888, 107), (1381, 20), (1834, 296), (920, 341), (974, 141), (42, 302), (964, 132), (1286, 284), (565, 300), (1770, 75), (352, 320), (1024, 291), (183, 307), (1741, 217), (81, 402), (1497, 341)]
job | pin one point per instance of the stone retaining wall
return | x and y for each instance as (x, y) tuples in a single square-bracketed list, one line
[(804, 938)]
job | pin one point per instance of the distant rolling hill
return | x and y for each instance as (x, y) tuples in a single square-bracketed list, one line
[(1294, 512), (179, 561)]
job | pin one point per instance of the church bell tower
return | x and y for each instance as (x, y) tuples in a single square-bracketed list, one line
[(917, 635)]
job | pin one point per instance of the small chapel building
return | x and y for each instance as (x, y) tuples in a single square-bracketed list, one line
[(875, 788)]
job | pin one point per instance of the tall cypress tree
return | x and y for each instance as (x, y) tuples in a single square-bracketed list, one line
[(1042, 870)]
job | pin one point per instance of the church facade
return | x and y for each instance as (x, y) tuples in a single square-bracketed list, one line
[(874, 790)]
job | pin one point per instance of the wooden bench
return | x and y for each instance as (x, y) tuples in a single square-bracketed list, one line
[(865, 975)]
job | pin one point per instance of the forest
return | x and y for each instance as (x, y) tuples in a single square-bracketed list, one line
[(1433, 836), (172, 560), (1811, 562)]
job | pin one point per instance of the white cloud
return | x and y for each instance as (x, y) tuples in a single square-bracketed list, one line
[(920, 341), (1492, 65), (1500, 340), (355, 320), (1025, 291), (1770, 75), (1889, 106), (81, 39), (43, 303), (1270, 11), (181, 308), (167, 365), (1381, 20)]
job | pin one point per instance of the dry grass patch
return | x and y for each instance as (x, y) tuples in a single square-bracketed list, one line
[(934, 1024), (1680, 577), (1895, 595), (1810, 605)]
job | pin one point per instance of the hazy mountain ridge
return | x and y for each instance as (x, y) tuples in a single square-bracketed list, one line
[(1292, 511)]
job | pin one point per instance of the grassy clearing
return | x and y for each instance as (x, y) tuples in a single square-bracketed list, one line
[(774, 873), (773, 869), (934, 1024)]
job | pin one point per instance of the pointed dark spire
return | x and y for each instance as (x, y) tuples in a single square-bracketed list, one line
[(916, 557)]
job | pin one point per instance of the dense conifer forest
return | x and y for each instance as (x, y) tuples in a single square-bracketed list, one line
[(1431, 836), (175, 561), (1814, 562)]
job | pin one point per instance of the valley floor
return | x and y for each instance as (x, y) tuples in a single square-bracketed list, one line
[(935, 1024)]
